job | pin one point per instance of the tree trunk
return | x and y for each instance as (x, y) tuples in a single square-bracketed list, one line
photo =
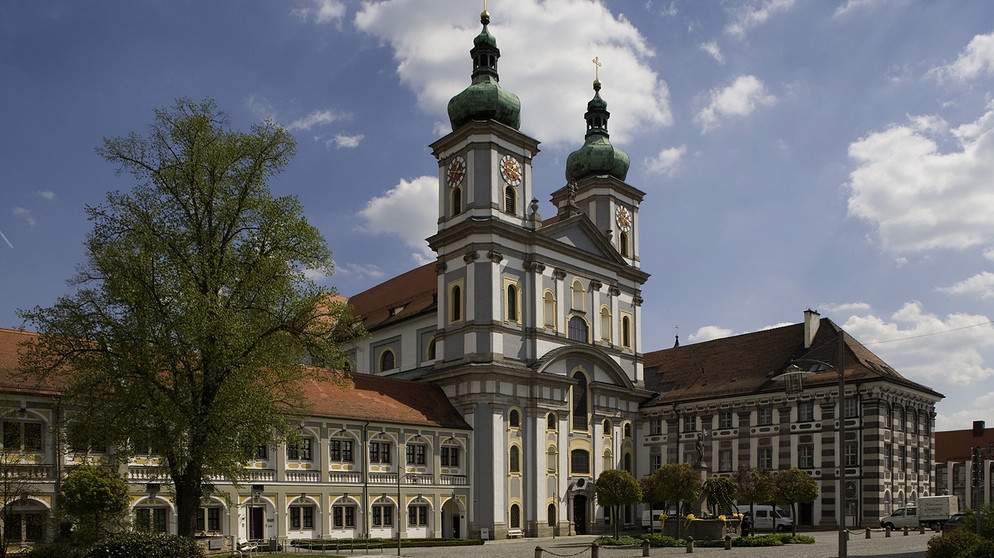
[(189, 490)]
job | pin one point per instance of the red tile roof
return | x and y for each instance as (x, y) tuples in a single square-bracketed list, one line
[(410, 294), (363, 397), (745, 364), (954, 445)]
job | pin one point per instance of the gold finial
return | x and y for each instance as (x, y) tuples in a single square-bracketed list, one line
[(597, 68), (484, 15)]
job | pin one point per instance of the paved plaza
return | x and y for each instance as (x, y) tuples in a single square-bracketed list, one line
[(897, 545)]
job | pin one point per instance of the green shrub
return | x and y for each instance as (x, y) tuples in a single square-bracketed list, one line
[(146, 545), (57, 550), (620, 541), (961, 543), (661, 541)]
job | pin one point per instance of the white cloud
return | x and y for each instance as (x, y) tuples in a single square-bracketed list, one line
[(666, 161), (981, 285), (740, 98), (940, 353), (316, 118), (850, 6), (844, 307), (47, 194), (360, 271), (707, 333), (549, 44), (341, 141), (407, 211), (711, 47), (750, 16), (918, 197), (24, 214), (976, 60), (321, 11)]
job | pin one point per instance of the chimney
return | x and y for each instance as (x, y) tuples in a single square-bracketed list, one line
[(812, 320)]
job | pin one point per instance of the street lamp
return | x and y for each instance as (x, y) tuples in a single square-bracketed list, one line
[(792, 377)]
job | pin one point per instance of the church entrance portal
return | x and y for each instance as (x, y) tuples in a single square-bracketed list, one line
[(580, 515)]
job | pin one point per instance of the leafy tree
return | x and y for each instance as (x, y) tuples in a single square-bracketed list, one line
[(96, 497), (720, 494), (793, 486), (194, 312), (14, 487), (615, 488), (673, 482), (754, 486)]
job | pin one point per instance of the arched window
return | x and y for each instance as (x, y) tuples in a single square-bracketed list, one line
[(607, 427), (456, 201), (628, 430), (605, 324), (552, 515), (431, 349), (623, 243), (510, 199), (514, 418), (514, 460), (627, 462), (549, 309), (578, 329), (577, 295), (511, 300), (455, 303), (551, 459), (515, 517), (551, 422), (580, 401), (626, 331), (579, 462), (387, 360)]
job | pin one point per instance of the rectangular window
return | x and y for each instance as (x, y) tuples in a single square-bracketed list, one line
[(300, 450), (209, 520), (725, 459), (725, 419), (689, 423), (262, 452), (343, 516), (379, 452), (915, 465), (805, 411), (655, 461), (151, 520), (450, 457), (764, 416), (656, 425), (382, 515), (852, 407), (852, 454), (22, 436), (806, 456), (301, 517), (764, 458), (417, 515), (416, 454), (341, 450)]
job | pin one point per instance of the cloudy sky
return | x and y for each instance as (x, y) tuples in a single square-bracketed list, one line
[(835, 155)]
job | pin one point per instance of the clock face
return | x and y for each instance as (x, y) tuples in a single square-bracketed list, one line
[(456, 171), (510, 170), (624, 219)]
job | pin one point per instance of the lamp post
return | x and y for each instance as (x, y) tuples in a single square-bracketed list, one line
[(792, 376)]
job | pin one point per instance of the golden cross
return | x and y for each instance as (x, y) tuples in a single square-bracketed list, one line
[(597, 67)]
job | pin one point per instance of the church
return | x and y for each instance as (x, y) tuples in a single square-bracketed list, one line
[(500, 380)]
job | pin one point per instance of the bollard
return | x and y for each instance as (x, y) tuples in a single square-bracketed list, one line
[(690, 545), (921, 529), (905, 530), (538, 552), (868, 532), (595, 550), (728, 542), (887, 531), (645, 547)]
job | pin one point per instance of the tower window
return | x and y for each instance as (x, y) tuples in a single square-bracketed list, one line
[(510, 200), (549, 309), (623, 244), (514, 419), (626, 331), (514, 460), (605, 324), (580, 401), (456, 201), (455, 302), (512, 310)]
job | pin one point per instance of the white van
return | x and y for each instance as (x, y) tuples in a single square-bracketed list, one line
[(900, 518), (768, 518), (654, 514)]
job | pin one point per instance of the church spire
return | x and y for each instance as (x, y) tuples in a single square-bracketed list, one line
[(484, 99), (597, 156)]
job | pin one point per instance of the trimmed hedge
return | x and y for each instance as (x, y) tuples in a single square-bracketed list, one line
[(660, 541), (146, 545)]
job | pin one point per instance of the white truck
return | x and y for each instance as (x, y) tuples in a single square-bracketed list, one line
[(935, 510)]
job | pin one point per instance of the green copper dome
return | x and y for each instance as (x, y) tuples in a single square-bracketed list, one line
[(484, 99), (597, 156)]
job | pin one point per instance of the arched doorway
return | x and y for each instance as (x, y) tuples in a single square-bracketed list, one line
[(453, 519), (580, 514)]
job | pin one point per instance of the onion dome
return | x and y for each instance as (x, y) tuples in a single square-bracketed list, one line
[(484, 99), (597, 156)]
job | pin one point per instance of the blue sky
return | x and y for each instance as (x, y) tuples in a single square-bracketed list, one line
[(833, 154)]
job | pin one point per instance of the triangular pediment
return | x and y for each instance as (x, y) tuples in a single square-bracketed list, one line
[(579, 231)]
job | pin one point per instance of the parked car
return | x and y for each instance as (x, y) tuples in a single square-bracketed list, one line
[(953, 523)]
